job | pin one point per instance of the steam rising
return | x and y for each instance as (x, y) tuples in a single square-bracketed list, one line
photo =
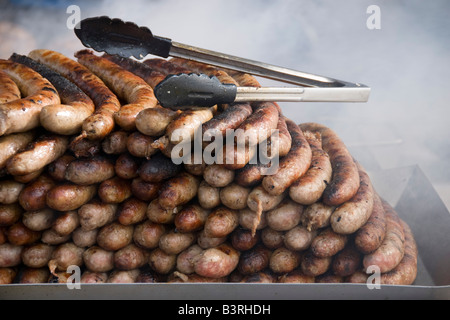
[(406, 62)]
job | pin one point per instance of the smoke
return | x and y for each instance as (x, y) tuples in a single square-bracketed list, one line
[(406, 62)]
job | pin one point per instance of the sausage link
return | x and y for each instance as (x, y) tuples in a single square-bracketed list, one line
[(97, 259), (33, 196), (328, 243), (115, 236), (68, 117), (221, 222), (69, 196), (174, 242), (130, 257), (185, 260), (153, 122), (165, 67), (406, 271), (345, 179), (13, 143), (353, 214), (309, 188), (39, 220), (218, 176), (243, 240), (314, 266), (10, 213), (37, 255), (284, 260), (115, 142), (22, 115), (285, 215), (162, 262), (208, 196), (10, 255), (10, 191), (217, 262), (370, 236), (347, 261), (156, 213), (66, 223), (293, 165), (114, 190), (178, 190), (8, 89), (392, 249), (158, 168), (132, 211), (234, 196), (34, 275), (38, 154), (101, 122), (84, 238), (254, 260), (145, 191), (96, 214), (296, 276), (131, 88), (127, 166), (20, 235), (147, 234), (140, 145), (299, 238), (57, 169), (191, 218), (316, 216), (90, 171), (64, 256)]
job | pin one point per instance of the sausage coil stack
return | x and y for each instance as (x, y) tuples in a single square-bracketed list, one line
[(102, 193)]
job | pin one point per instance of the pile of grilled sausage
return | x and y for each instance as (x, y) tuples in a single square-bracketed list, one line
[(87, 179)]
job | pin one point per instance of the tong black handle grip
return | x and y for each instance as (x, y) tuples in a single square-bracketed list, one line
[(184, 90)]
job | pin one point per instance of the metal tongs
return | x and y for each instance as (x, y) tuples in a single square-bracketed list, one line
[(126, 39)]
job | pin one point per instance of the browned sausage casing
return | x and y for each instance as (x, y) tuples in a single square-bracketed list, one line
[(328, 243), (317, 215), (90, 171), (131, 211), (97, 259), (115, 190), (392, 249), (191, 218), (38, 154), (22, 115), (96, 214), (178, 190), (347, 261), (254, 260), (353, 214), (158, 169), (217, 262), (33, 196), (221, 222), (8, 89), (12, 143), (114, 236), (345, 180), (69, 196), (293, 165)]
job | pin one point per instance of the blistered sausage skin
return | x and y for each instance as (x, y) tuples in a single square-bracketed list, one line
[(38, 154), (68, 117), (345, 179), (101, 122), (12, 143), (131, 88), (8, 89), (308, 189), (293, 165), (353, 214), (392, 249), (22, 115)]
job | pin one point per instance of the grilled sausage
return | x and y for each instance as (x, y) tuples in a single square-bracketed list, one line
[(185, 260), (345, 179), (406, 271), (138, 68), (254, 260), (69, 196), (10, 191), (64, 256), (12, 143), (293, 165), (57, 169), (248, 217), (131, 88), (65, 223), (85, 148), (221, 222), (39, 220), (272, 239), (158, 169), (174, 242), (166, 67), (130, 257), (328, 243), (90, 171), (10, 213), (22, 115), (251, 174), (123, 276), (208, 196), (243, 240), (96, 214), (316, 216), (314, 266), (37, 155), (84, 238), (49, 236), (353, 214), (154, 122), (37, 255), (162, 262), (206, 241), (296, 276), (33, 275), (115, 142), (145, 191), (178, 190), (392, 249), (101, 122), (33, 196), (370, 236), (97, 259), (299, 238), (127, 166), (284, 216), (7, 275), (114, 236), (156, 213), (93, 277), (147, 234), (8, 89), (217, 262), (68, 117), (140, 145), (20, 235), (284, 260), (132, 211), (114, 190), (218, 176), (234, 196), (10, 255), (192, 217), (347, 261), (309, 188)]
